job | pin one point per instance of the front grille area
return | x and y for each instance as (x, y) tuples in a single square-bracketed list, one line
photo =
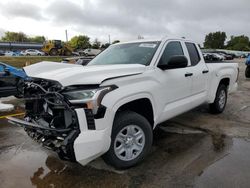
[(48, 109)]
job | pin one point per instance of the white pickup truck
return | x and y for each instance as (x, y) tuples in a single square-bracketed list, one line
[(111, 106)]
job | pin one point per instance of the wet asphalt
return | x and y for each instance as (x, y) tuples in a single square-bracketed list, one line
[(196, 149)]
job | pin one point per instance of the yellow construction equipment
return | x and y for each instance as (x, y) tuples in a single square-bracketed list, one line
[(57, 47)]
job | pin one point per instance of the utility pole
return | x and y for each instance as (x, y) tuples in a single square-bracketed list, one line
[(109, 40), (66, 33)]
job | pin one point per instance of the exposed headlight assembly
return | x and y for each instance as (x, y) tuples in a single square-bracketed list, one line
[(91, 97)]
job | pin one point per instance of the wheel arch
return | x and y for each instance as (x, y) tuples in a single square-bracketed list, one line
[(141, 104), (224, 80)]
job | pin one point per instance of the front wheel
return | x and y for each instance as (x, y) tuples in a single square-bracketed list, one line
[(67, 53), (220, 100), (131, 140), (53, 52), (247, 72)]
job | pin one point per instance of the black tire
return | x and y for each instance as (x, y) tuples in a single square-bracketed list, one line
[(217, 107), (53, 52), (122, 120), (27, 54), (247, 72), (67, 53)]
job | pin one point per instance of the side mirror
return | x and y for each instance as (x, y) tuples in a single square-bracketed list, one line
[(178, 61)]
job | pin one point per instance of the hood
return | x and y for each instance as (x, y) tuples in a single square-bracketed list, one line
[(71, 74)]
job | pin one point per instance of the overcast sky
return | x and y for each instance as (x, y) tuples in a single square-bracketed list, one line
[(125, 19)]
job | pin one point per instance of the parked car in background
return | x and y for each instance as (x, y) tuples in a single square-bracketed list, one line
[(11, 53), (79, 60), (32, 52), (2, 53), (89, 52), (213, 57), (227, 56), (75, 54), (219, 56), (247, 72)]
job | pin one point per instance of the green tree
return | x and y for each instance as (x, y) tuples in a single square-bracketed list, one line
[(14, 37), (38, 39), (240, 43), (80, 42), (215, 40), (96, 44)]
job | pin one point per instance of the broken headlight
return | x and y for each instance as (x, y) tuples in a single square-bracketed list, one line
[(90, 97)]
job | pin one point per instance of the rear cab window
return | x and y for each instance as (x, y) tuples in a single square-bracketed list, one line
[(193, 53)]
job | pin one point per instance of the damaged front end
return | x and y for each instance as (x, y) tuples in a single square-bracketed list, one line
[(50, 119), (63, 118)]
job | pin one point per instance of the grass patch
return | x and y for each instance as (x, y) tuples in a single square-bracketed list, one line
[(20, 61)]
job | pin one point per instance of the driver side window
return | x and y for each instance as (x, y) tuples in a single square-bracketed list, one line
[(2, 71), (172, 49)]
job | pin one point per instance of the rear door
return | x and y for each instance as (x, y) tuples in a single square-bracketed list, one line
[(200, 73)]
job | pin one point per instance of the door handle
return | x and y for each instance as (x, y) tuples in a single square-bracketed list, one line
[(188, 74), (205, 71)]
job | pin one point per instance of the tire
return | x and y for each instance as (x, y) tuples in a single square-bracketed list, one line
[(53, 52), (220, 100), (247, 72), (139, 127), (39, 54), (27, 54), (67, 53)]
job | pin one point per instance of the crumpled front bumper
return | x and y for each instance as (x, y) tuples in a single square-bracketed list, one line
[(81, 145)]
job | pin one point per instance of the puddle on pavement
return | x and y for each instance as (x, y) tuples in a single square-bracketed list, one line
[(175, 161), (232, 170)]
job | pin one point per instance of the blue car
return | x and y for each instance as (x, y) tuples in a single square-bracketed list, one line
[(247, 72), (11, 81)]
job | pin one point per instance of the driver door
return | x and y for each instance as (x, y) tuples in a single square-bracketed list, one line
[(7, 83), (175, 83)]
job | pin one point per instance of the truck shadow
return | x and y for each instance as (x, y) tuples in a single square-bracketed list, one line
[(172, 156)]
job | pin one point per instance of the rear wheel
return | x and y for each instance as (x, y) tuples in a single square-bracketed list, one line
[(67, 53), (131, 140), (220, 100), (53, 52), (247, 72)]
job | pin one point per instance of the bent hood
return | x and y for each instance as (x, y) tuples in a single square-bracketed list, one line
[(71, 74)]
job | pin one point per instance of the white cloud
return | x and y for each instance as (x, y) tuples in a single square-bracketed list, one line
[(125, 20)]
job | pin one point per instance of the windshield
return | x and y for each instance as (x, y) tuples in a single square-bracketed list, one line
[(129, 53)]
